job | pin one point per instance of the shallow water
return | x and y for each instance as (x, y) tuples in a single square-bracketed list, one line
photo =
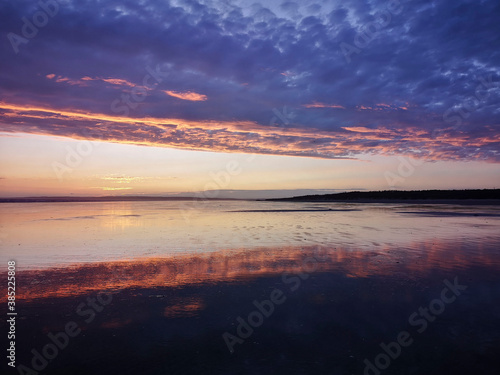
[(234, 287), (49, 234)]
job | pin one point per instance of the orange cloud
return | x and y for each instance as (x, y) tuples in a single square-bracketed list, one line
[(359, 129), (380, 107), (242, 136), (117, 81), (115, 188), (323, 105), (76, 82), (188, 95), (84, 80)]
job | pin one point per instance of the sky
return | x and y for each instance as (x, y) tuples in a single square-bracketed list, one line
[(248, 98)]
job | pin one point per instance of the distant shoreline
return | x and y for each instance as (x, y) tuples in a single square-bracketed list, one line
[(467, 197), (462, 197), (105, 199), (465, 202)]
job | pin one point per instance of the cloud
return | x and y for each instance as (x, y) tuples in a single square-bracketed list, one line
[(323, 105), (84, 81), (111, 188), (188, 95), (431, 67), (235, 136)]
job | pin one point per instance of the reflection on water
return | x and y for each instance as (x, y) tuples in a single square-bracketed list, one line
[(349, 286), (413, 263), (168, 315), (66, 233)]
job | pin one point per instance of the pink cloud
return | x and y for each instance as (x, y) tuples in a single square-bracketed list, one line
[(247, 136), (323, 105), (187, 95)]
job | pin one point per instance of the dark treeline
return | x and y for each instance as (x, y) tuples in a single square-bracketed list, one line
[(401, 195), (385, 195)]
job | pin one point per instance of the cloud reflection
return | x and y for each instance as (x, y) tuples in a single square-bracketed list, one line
[(419, 259)]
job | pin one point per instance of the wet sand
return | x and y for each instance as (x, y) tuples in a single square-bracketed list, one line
[(169, 315), (321, 299)]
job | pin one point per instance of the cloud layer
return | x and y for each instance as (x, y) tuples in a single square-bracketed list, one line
[(329, 79)]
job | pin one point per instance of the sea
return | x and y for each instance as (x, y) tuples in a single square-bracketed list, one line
[(249, 287)]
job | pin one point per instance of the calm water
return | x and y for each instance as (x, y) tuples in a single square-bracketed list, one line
[(234, 287)]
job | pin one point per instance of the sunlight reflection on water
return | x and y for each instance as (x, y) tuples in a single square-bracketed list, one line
[(49, 234)]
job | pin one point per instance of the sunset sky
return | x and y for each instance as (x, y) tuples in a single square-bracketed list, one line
[(175, 97)]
